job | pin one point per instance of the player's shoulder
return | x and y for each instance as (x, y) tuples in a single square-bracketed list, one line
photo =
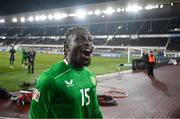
[(59, 68), (44, 80), (89, 71)]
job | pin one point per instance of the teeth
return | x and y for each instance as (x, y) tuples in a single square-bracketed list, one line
[(87, 50)]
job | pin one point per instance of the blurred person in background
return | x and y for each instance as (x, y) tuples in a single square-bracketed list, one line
[(24, 58), (144, 59), (151, 63), (12, 52), (31, 58)]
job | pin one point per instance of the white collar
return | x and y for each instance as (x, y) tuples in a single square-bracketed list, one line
[(66, 62)]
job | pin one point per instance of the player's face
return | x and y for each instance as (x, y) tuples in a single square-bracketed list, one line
[(80, 49)]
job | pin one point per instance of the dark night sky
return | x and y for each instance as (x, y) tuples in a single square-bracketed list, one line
[(8, 7)]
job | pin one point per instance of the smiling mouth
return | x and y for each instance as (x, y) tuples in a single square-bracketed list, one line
[(86, 53)]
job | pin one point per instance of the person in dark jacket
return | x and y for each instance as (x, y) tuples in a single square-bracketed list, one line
[(144, 59), (12, 52), (31, 58)]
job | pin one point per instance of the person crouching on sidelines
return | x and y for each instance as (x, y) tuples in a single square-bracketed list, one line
[(24, 58)]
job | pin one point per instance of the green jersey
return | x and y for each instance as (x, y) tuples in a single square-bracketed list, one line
[(64, 91), (24, 54)]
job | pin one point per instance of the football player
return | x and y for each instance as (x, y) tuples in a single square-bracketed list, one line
[(68, 88)]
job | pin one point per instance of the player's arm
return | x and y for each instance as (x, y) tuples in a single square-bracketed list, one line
[(96, 112), (34, 55), (41, 97)]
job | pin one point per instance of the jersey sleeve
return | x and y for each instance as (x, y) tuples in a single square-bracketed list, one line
[(96, 112), (42, 97)]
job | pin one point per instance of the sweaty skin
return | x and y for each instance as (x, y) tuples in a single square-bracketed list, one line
[(80, 49)]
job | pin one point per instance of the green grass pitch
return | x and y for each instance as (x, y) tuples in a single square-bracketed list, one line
[(11, 79)]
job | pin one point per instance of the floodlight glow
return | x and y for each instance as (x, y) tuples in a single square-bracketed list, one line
[(81, 14), (133, 8), (3, 37), (148, 7), (177, 29), (31, 19), (172, 3), (161, 6), (118, 10), (2, 20), (37, 18), (122, 9), (156, 6), (97, 12), (14, 20), (64, 15), (50, 17), (90, 13), (109, 10), (43, 17), (22, 19), (57, 16), (72, 15), (119, 27)]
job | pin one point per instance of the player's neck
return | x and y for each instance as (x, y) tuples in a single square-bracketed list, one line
[(73, 65)]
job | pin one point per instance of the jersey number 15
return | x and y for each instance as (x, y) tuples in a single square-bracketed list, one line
[(84, 95)]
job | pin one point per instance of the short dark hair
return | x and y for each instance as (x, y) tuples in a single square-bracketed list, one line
[(69, 36)]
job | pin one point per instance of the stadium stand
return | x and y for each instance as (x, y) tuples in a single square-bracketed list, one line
[(174, 44), (139, 42), (151, 28)]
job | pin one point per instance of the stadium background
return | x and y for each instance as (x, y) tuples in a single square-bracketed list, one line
[(122, 30)]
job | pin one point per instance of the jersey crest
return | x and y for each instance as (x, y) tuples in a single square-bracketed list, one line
[(36, 95), (69, 83)]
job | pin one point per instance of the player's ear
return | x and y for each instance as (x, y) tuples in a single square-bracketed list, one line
[(66, 49)]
